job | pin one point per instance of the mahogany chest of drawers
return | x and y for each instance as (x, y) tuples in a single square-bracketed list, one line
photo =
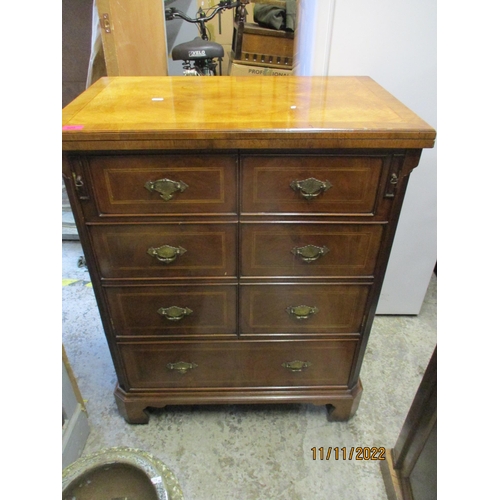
[(237, 231)]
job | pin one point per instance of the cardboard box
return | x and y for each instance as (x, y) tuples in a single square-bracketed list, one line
[(237, 69)]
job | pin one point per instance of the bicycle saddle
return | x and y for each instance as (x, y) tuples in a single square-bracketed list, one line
[(197, 49)]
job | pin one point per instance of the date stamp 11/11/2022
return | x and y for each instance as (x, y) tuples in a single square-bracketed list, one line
[(352, 453)]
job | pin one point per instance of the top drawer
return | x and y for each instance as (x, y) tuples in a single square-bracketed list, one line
[(311, 185), (163, 184)]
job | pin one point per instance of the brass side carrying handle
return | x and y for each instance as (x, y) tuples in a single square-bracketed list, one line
[(310, 188), (181, 366), (310, 253), (166, 187), (302, 312), (166, 253), (174, 313), (296, 366)]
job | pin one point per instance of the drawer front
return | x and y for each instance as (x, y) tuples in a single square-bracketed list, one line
[(164, 184), (165, 250), (238, 364), (173, 310), (335, 184), (330, 250), (302, 309)]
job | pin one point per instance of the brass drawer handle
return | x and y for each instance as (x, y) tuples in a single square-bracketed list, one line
[(174, 313), (181, 366), (310, 188), (166, 253), (166, 187), (310, 253), (296, 366), (301, 312)]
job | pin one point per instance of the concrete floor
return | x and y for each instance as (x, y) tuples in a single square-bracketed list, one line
[(254, 452)]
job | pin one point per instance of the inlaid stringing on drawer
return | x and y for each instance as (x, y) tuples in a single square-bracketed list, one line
[(302, 309), (311, 185), (298, 249), (164, 184), (165, 250), (157, 310), (238, 364)]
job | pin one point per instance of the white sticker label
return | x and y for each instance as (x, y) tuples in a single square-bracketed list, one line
[(197, 53)]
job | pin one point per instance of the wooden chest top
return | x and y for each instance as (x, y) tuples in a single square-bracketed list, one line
[(234, 112)]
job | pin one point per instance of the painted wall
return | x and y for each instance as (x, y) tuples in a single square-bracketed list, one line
[(394, 42)]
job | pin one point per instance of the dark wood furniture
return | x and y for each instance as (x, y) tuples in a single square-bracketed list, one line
[(256, 45), (253, 44), (410, 471), (237, 231)]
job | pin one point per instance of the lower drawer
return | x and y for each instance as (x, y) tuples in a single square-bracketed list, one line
[(173, 310), (302, 308), (238, 363)]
